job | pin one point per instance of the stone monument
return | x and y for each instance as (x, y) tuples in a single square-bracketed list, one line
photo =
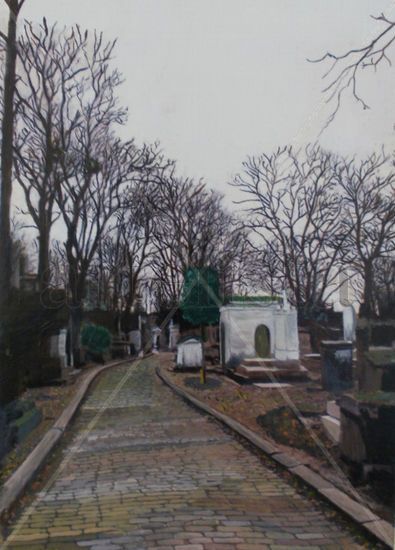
[(190, 353), (265, 329)]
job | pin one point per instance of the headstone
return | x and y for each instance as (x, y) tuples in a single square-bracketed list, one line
[(174, 335), (190, 353), (336, 364), (349, 323), (58, 347)]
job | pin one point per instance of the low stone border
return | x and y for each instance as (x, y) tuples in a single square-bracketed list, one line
[(377, 527), (16, 484)]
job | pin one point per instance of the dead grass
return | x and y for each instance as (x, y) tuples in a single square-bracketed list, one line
[(51, 401)]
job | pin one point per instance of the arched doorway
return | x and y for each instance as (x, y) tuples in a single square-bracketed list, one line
[(262, 341)]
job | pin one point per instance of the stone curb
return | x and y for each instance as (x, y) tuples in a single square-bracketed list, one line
[(366, 519), (18, 481)]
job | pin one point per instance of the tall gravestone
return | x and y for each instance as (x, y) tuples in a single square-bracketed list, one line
[(336, 364), (58, 348)]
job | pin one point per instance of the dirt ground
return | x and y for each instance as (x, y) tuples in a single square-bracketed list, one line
[(273, 414), (51, 401)]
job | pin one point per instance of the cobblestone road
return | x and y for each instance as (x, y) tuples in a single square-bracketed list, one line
[(151, 472)]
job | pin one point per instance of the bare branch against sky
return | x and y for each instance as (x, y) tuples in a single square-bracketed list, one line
[(215, 81)]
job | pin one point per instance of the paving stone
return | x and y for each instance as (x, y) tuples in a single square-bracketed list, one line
[(151, 472)]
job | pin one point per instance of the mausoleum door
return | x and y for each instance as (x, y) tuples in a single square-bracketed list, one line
[(262, 341)]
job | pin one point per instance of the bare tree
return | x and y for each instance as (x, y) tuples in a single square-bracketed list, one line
[(294, 209), (346, 67), (192, 229), (87, 202), (94, 166), (125, 251), (368, 220), (265, 268), (232, 255), (59, 267), (384, 286), (49, 62), (7, 132)]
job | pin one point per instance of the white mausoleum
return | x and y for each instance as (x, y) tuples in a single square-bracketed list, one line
[(258, 329)]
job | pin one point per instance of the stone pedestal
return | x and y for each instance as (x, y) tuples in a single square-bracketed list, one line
[(174, 336), (336, 365), (57, 348), (349, 324)]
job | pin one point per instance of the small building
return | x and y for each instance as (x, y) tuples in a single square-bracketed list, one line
[(264, 329), (190, 353)]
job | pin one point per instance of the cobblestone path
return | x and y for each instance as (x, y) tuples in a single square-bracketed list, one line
[(152, 472)]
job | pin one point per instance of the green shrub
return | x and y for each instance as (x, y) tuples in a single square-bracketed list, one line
[(96, 339), (32, 319)]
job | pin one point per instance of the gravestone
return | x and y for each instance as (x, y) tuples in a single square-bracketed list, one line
[(336, 364), (174, 335), (58, 348), (349, 323), (190, 353), (367, 440)]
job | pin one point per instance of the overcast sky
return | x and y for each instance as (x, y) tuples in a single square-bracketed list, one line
[(216, 80)]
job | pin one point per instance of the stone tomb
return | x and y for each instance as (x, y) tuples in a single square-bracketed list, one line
[(266, 330), (190, 353), (367, 415)]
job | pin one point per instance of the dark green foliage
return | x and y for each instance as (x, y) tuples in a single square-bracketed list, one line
[(26, 418), (100, 317), (7, 438), (200, 297), (34, 318), (96, 339)]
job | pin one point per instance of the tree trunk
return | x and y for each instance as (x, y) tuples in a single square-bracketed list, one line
[(44, 274), (77, 280), (368, 302), (75, 334), (7, 129)]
